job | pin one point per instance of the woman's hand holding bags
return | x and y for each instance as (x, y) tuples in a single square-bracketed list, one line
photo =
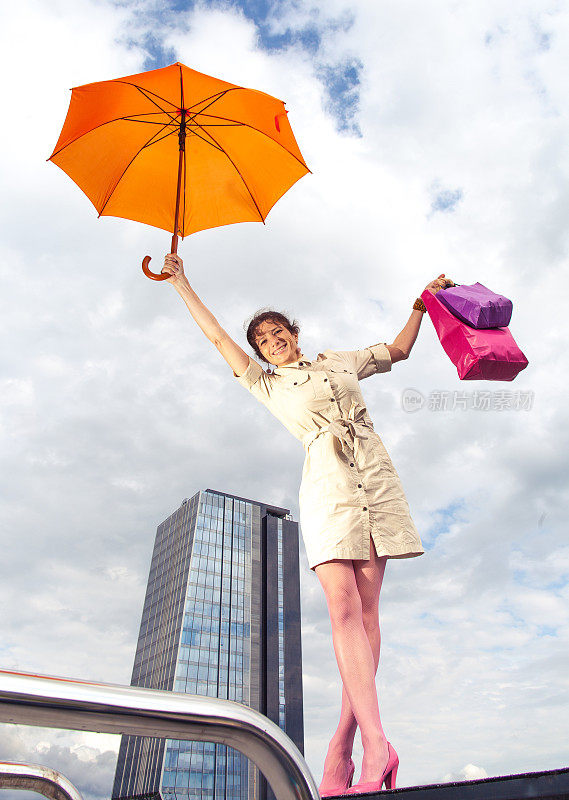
[(477, 305)]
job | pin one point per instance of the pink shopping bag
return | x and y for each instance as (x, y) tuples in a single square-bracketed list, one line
[(479, 354)]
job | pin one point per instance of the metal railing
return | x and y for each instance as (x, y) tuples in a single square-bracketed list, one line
[(35, 778), (48, 702)]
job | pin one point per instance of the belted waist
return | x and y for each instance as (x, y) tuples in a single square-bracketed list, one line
[(348, 430)]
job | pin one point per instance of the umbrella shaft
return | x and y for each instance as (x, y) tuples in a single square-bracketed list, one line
[(182, 142)]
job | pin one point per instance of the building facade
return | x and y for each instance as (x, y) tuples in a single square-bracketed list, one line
[(221, 618)]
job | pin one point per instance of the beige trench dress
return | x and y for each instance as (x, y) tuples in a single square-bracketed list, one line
[(350, 489)]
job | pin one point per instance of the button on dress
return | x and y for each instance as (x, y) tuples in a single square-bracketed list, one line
[(350, 490)]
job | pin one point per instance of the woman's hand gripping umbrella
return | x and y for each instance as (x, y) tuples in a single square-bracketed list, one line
[(178, 150)]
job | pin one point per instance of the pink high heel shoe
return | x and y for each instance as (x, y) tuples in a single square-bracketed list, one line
[(341, 789), (388, 777)]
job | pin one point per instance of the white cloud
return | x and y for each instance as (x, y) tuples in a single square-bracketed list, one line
[(469, 772), (86, 766)]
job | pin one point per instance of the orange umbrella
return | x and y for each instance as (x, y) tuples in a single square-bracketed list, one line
[(178, 150)]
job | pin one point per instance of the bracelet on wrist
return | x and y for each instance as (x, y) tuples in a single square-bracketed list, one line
[(418, 305)]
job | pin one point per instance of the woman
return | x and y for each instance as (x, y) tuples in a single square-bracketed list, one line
[(353, 512)]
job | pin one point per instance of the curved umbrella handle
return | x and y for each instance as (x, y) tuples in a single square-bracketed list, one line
[(155, 276)]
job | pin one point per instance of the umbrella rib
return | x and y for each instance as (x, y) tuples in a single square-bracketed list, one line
[(137, 118), (164, 111), (102, 124), (149, 143), (229, 124), (119, 179), (238, 122), (211, 144), (246, 125), (146, 93), (146, 114), (157, 133), (142, 121), (213, 97), (236, 168)]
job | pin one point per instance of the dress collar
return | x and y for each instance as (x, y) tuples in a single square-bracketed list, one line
[(299, 364)]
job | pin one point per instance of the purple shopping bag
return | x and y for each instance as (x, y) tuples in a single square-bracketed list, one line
[(478, 353), (477, 305)]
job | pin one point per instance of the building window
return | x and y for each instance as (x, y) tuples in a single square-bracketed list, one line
[(280, 612)]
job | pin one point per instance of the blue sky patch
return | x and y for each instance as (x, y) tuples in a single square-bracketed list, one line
[(445, 200), (524, 577), (431, 619), (444, 517), (157, 55), (546, 630), (342, 82)]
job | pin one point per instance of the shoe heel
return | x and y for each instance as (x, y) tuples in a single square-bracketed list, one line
[(391, 777)]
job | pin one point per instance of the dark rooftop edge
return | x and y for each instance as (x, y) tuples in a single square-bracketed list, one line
[(544, 785)]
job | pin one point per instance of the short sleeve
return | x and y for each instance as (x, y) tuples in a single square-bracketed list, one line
[(256, 380), (372, 360), (364, 362)]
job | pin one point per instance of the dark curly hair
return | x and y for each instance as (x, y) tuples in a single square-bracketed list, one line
[(268, 315)]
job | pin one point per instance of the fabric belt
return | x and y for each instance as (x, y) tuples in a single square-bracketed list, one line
[(348, 430)]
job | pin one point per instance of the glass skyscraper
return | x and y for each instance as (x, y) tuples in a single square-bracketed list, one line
[(221, 618)]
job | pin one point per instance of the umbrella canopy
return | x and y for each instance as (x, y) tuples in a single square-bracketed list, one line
[(178, 149)]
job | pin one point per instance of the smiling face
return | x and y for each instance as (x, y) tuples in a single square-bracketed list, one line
[(277, 344)]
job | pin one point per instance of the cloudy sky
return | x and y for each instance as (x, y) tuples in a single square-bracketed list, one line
[(437, 134)]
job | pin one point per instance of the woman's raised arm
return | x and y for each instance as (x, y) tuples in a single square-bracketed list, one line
[(405, 339), (237, 358)]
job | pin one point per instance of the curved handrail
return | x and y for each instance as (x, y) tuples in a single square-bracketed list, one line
[(50, 702), (36, 778)]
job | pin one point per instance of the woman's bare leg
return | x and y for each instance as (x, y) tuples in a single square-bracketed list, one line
[(369, 577), (352, 593)]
